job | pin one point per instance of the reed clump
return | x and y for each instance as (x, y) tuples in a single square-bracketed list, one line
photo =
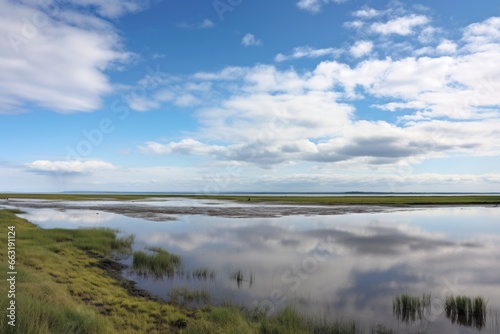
[(158, 262), (409, 308), (466, 311)]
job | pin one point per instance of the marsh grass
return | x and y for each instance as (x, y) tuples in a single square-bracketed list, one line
[(289, 320), (61, 288), (202, 274), (38, 316), (98, 240), (322, 200), (158, 263), (239, 277), (184, 296), (409, 308), (466, 311)]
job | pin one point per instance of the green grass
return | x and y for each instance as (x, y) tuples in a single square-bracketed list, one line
[(466, 311), (307, 200), (409, 308), (159, 263), (288, 320), (184, 296), (60, 287)]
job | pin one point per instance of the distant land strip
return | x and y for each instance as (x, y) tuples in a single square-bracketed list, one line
[(318, 199)]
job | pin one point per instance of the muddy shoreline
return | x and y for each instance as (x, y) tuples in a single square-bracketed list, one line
[(167, 213)]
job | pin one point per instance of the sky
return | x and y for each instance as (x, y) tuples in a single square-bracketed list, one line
[(259, 96)]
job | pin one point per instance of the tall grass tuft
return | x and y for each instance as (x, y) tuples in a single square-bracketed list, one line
[(466, 311), (158, 263), (409, 308)]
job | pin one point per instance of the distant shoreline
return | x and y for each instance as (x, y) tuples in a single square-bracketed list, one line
[(331, 200)]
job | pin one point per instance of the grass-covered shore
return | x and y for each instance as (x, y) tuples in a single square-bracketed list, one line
[(389, 200), (63, 286)]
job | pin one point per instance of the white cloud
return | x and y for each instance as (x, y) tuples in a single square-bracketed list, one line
[(203, 24), (186, 146), (484, 35), (367, 13), (112, 8), (58, 62), (361, 48), (250, 40), (71, 166), (314, 6), (447, 47), (354, 24), (400, 26), (228, 73), (267, 116), (308, 52)]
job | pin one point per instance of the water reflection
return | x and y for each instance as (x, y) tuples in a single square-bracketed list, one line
[(73, 217), (352, 264)]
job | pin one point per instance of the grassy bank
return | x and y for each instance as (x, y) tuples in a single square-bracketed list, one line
[(62, 287), (305, 200)]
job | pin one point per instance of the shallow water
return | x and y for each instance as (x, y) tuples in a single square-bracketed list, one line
[(350, 265)]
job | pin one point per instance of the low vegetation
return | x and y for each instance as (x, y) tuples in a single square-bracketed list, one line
[(184, 296), (158, 263), (360, 199), (409, 308), (466, 311), (63, 287), (64, 284)]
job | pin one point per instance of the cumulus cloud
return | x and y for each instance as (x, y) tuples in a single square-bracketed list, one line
[(314, 6), (361, 48), (186, 146), (447, 46), (400, 26), (367, 13), (250, 40), (308, 52), (266, 116), (58, 61), (69, 166)]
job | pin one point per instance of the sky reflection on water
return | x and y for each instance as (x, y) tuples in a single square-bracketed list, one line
[(352, 264)]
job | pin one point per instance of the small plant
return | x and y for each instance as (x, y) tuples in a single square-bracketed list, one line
[(203, 273), (238, 277), (466, 311), (408, 308)]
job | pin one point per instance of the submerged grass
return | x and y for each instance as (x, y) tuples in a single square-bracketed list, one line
[(202, 274), (184, 296), (409, 308), (159, 263), (466, 311)]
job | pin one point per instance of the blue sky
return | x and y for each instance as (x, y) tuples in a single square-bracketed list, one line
[(238, 95)]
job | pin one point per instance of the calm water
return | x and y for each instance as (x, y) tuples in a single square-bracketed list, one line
[(349, 265)]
